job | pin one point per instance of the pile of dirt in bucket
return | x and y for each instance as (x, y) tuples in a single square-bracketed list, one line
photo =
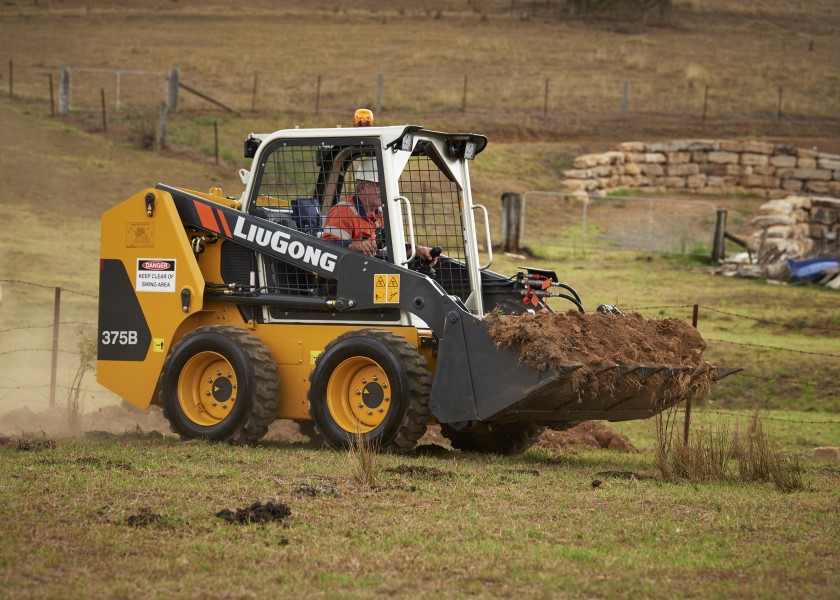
[(549, 341)]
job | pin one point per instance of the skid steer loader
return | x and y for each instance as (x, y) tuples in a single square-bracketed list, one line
[(234, 312)]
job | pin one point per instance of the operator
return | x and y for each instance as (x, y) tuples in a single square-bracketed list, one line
[(353, 223)]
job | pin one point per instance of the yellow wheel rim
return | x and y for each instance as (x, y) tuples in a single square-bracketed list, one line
[(358, 395), (207, 389)]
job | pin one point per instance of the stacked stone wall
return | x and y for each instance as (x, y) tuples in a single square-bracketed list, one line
[(707, 167)]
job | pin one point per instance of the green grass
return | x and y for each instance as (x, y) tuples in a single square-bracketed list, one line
[(490, 526)]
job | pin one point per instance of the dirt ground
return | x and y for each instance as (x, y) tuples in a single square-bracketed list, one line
[(126, 419)]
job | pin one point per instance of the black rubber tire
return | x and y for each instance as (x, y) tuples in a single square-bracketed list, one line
[(254, 393), (308, 429), (407, 413), (495, 438)]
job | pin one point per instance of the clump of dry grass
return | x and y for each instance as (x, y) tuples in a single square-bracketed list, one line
[(759, 459), (363, 458), (75, 403), (709, 453)]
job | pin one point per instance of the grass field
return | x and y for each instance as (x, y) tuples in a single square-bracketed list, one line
[(135, 515)]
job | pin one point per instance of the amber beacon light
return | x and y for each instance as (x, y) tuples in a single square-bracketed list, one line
[(363, 118)]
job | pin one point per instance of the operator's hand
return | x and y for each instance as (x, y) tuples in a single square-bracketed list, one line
[(425, 253), (366, 246)]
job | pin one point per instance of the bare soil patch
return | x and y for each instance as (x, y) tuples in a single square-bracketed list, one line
[(256, 513), (592, 434)]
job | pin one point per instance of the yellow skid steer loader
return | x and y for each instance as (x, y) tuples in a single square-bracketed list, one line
[(234, 312)]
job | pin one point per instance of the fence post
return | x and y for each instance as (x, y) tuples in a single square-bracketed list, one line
[(54, 366), (379, 85), (779, 111), (164, 110), (318, 96), (464, 98), (718, 251), (172, 90), (511, 221), (705, 101), (104, 114), (64, 92), (11, 78), (545, 100), (117, 93), (625, 99), (254, 92), (216, 139), (52, 98), (694, 316)]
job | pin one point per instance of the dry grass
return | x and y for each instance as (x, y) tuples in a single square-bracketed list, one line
[(362, 458), (710, 451)]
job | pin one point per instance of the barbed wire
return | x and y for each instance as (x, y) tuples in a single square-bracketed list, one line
[(36, 350), (87, 323), (773, 348), (740, 316), (768, 322), (789, 380), (766, 418), (48, 287)]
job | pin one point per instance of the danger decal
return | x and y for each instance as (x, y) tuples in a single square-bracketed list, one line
[(155, 275)]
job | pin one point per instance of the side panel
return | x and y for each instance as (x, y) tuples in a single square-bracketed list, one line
[(146, 263)]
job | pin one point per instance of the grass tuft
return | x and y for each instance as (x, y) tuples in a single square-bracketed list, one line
[(708, 455), (362, 457)]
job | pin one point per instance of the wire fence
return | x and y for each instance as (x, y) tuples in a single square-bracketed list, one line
[(563, 95), (27, 352), (554, 220)]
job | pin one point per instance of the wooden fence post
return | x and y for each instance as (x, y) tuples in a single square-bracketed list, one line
[(172, 90), (52, 98), (779, 111), (694, 316), (11, 78), (164, 111), (464, 98), (625, 99), (718, 251), (511, 221), (705, 101), (545, 100), (104, 114), (318, 96), (54, 365), (254, 93), (380, 83), (64, 92), (216, 139)]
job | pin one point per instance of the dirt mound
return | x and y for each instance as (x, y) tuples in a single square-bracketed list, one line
[(589, 433), (598, 341)]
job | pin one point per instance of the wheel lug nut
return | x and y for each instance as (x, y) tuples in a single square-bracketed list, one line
[(370, 412), (360, 405), (387, 398), (209, 380), (384, 385), (381, 409), (214, 403), (218, 373), (229, 375), (364, 379), (224, 406), (207, 393), (376, 378), (358, 392)]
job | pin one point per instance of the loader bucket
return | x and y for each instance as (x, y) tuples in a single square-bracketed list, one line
[(502, 382)]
